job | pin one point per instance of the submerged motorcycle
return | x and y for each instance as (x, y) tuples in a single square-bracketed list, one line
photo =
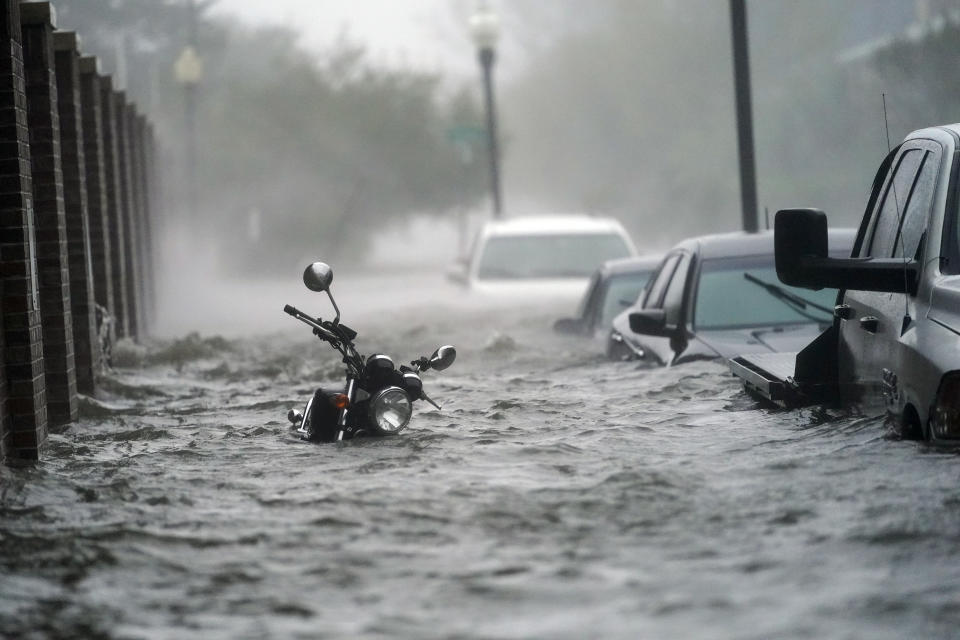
[(377, 398)]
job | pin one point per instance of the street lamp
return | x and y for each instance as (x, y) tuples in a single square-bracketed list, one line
[(485, 29), (188, 72)]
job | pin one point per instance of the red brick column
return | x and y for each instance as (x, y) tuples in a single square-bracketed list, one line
[(95, 165), (153, 223), (25, 427), (85, 344), (141, 182), (43, 119), (129, 206), (117, 216)]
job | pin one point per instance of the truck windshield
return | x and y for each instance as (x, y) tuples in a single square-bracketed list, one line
[(548, 256), (728, 300)]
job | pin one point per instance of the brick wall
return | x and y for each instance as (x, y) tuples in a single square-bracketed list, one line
[(97, 207), (117, 216), (146, 253), (49, 217), (129, 206), (26, 411), (86, 347)]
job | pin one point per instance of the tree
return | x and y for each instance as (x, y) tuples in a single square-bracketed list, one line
[(319, 148)]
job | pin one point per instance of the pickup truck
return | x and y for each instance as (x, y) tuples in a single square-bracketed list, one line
[(895, 338)]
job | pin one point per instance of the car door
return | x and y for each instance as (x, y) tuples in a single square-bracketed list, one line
[(669, 297), (872, 323), (656, 348)]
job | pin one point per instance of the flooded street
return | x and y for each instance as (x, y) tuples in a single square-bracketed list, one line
[(556, 495)]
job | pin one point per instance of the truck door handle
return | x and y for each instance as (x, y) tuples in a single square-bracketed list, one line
[(869, 323), (843, 311)]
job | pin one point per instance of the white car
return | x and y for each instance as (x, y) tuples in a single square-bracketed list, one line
[(542, 256)]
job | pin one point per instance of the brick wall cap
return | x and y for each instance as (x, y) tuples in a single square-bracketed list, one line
[(89, 64), (38, 13), (66, 41)]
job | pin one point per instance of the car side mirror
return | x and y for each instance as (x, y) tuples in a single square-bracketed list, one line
[(569, 326), (803, 260), (650, 322)]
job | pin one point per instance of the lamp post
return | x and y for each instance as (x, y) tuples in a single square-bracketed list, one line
[(485, 29), (188, 72)]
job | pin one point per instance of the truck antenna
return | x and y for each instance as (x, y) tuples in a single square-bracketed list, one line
[(903, 250), (886, 123)]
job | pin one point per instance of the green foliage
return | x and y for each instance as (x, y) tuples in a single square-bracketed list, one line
[(323, 147)]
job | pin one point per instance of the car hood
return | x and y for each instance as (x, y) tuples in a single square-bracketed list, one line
[(728, 343), (733, 342)]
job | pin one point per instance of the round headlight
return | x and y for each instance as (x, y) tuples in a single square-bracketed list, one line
[(390, 411)]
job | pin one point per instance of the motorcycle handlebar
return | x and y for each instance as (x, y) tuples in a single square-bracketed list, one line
[(318, 330)]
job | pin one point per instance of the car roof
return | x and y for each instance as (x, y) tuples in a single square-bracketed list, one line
[(741, 243), (639, 264), (549, 224)]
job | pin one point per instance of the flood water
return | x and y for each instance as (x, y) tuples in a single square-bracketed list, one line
[(556, 495)]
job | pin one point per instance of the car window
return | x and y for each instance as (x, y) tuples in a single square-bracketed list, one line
[(918, 208), (895, 199), (622, 291), (549, 256), (673, 298), (727, 299), (656, 289), (589, 299)]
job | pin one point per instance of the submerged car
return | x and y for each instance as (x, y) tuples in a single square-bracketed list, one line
[(717, 296), (541, 256), (613, 287), (895, 337)]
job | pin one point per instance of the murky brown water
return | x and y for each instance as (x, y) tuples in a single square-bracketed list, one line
[(555, 496)]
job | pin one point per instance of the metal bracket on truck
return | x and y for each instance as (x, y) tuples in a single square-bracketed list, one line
[(792, 380)]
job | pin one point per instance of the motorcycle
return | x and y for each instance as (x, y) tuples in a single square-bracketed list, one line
[(377, 397)]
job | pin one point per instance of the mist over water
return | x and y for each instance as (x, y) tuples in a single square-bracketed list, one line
[(555, 495)]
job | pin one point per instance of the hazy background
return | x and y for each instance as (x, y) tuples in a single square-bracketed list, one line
[(325, 127)]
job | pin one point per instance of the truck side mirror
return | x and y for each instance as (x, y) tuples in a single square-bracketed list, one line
[(650, 322), (803, 260)]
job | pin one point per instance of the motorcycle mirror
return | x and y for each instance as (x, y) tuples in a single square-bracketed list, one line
[(318, 276), (443, 357)]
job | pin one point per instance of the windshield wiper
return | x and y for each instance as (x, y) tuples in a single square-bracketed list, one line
[(798, 303)]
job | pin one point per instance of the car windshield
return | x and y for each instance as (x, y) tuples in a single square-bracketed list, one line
[(622, 291), (549, 256), (727, 299)]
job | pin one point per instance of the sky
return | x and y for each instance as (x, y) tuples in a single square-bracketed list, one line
[(427, 34)]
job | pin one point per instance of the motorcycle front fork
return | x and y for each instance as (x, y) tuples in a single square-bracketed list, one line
[(351, 393)]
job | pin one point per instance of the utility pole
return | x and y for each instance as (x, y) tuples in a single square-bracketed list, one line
[(741, 82)]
